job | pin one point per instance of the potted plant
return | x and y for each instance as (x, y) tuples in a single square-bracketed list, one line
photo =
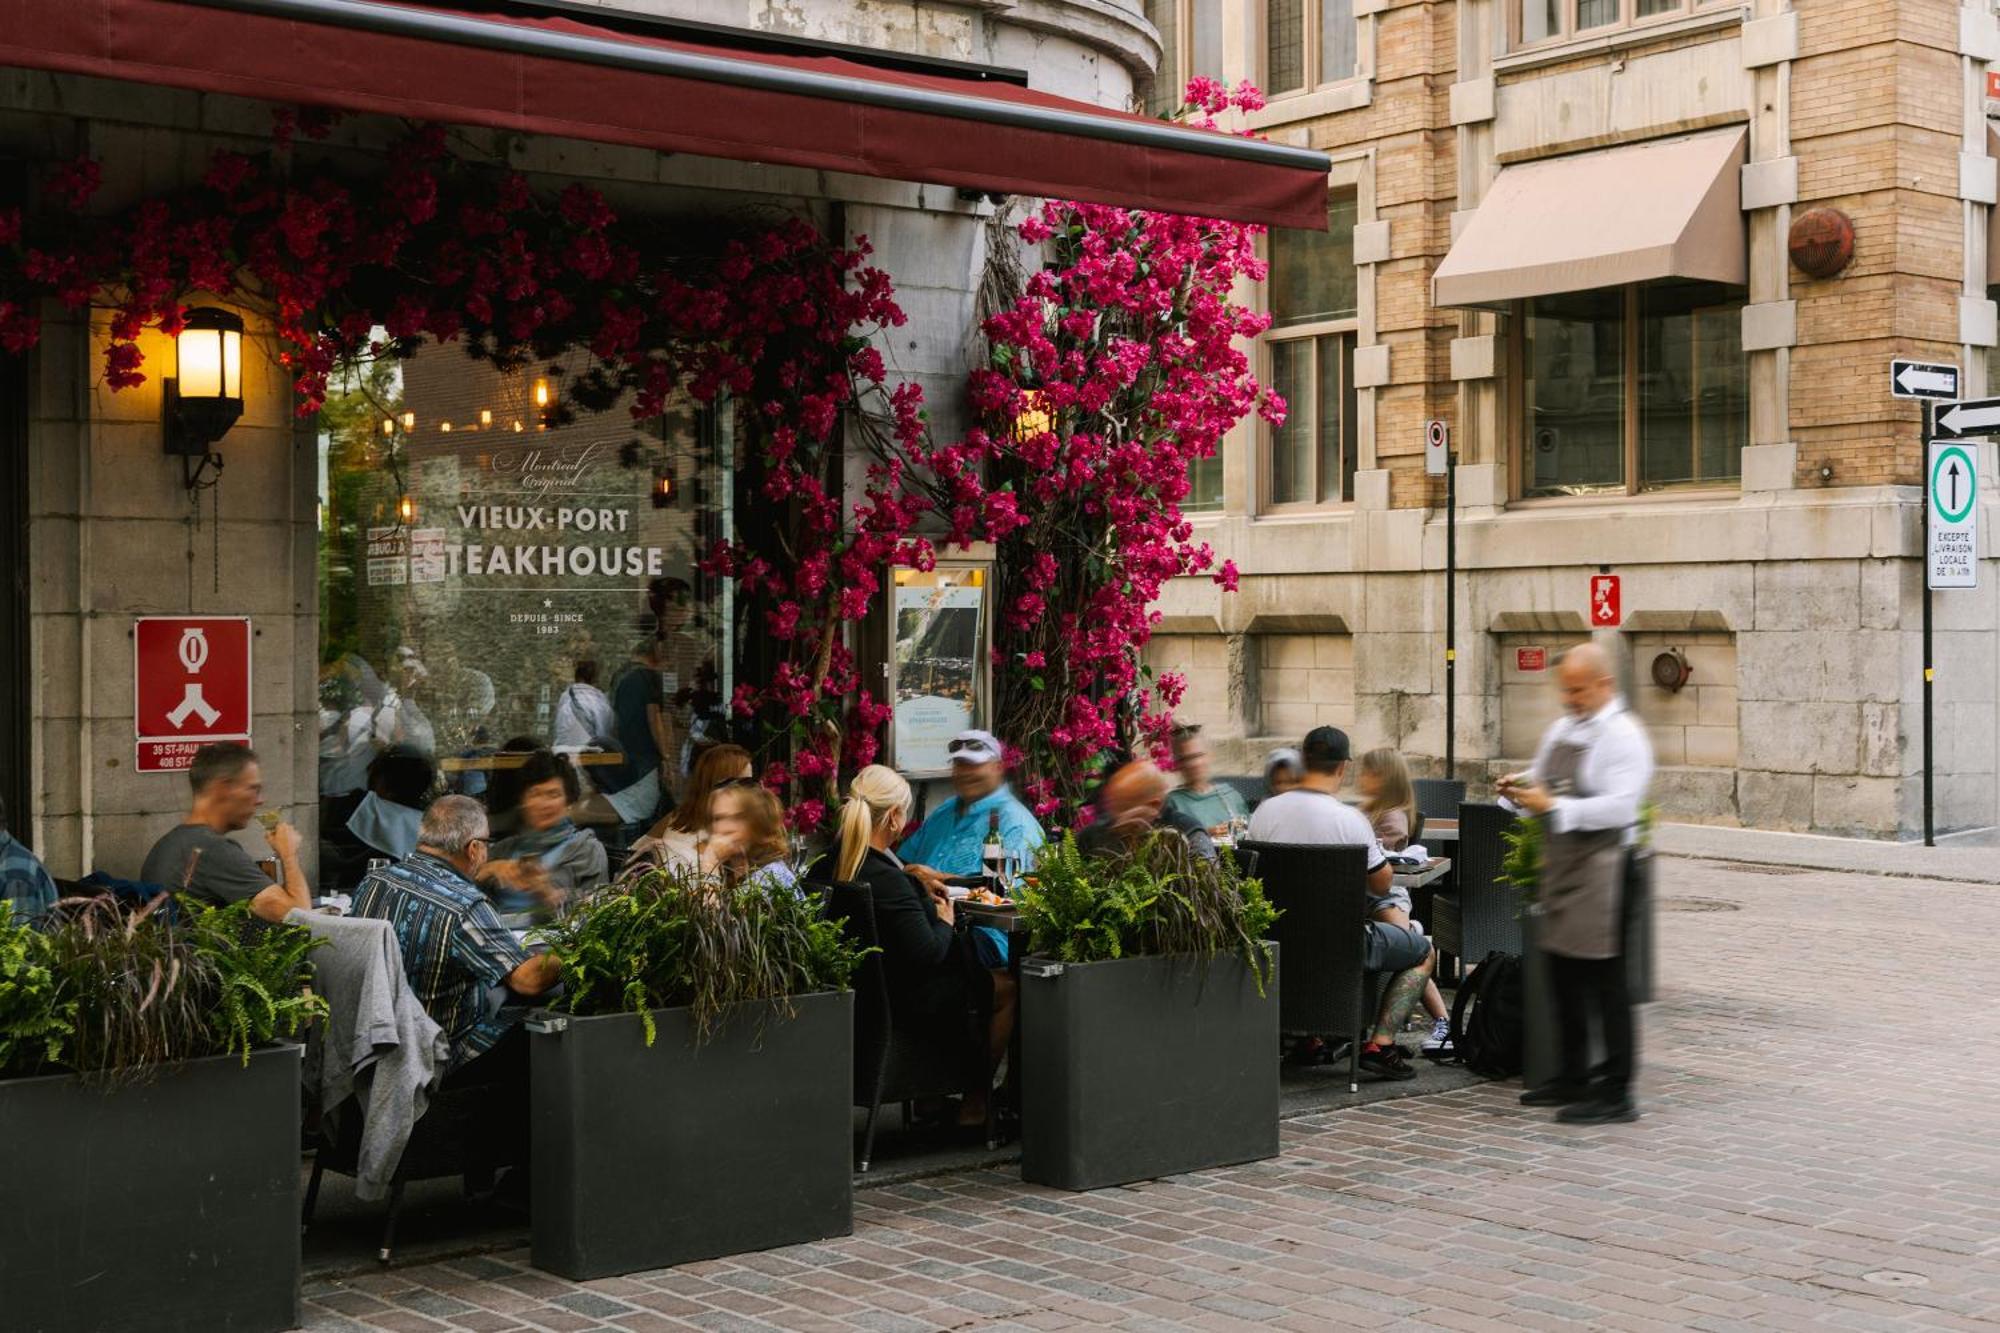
[(1149, 1016), (692, 1088), (149, 1121)]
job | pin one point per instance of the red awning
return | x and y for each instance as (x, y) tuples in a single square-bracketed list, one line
[(560, 76)]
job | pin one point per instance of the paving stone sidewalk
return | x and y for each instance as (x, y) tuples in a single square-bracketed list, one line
[(1809, 1157)]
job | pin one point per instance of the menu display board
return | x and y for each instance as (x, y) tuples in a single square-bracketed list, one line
[(939, 663)]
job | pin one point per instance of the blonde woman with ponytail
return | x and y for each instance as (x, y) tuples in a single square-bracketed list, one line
[(933, 973)]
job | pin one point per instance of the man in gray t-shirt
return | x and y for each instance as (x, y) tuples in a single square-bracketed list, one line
[(1313, 812), (197, 858)]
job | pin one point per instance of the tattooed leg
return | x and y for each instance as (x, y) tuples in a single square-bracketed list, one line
[(1402, 998)]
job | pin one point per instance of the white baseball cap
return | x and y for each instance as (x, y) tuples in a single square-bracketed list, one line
[(973, 747)]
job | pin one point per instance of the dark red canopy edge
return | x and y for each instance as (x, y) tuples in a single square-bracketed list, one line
[(278, 57)]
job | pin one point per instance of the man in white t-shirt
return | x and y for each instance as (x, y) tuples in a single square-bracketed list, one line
[(1313, 812)]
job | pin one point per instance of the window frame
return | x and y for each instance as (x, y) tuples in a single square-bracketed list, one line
[(1350, 436), (1312, 25), (1347, 178), (1628, 20), (1630, 349)]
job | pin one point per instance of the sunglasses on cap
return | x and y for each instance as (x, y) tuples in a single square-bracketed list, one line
[(961, 745)]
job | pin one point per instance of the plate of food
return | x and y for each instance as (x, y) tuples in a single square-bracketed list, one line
[(987, 898)]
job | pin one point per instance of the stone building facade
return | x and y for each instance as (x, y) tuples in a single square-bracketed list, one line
[(112, 534), (1563, 231)]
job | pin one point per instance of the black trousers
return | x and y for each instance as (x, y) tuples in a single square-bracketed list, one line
[(1591, 993), (498, 1079)]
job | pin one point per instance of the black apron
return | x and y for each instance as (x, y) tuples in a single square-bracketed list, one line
[(1583, 872)]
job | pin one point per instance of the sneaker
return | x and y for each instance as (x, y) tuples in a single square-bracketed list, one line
[(1599, 1112), (1438, 1045), (1387, 1063)]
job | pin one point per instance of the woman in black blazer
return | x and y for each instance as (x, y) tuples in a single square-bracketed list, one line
[(934, 977)]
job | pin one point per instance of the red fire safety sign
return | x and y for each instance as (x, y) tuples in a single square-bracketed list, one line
[(190, 687), (1605, 611)]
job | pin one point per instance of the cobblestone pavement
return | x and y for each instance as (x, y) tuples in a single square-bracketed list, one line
[(1812, 1153)]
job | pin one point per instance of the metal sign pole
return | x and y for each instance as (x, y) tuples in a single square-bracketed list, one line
[(1451, 616), (1924, 526)]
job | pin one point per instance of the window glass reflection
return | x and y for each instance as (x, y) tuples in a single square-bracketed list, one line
[(495, 580), (1574, 393)]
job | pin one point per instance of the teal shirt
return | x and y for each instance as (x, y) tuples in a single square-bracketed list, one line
[(1218, 805), (950, 838)]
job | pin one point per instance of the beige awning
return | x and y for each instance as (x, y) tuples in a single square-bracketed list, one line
[(1669, 208)]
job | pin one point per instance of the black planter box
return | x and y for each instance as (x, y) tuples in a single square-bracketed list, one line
[(1145, 1067), (157, 1207), (650, 1157)]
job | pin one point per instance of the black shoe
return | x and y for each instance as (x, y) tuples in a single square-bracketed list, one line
[(1388, 1064), (1599, 1112), (1553, 1094)]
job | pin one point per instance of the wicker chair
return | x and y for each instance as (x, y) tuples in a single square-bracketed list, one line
[(1480, 914), (891, 1064), (1321, 892), (1439, 798)]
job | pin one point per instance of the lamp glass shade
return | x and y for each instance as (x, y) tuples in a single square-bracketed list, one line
[(211, 357)]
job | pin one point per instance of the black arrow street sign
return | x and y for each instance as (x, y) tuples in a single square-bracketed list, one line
[(1922, 379), (1975, 419), (1952, 472)]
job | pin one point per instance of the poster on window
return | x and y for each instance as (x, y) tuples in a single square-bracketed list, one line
[(499, 574), (940, 634)]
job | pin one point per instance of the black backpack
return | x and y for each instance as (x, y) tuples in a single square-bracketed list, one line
[(1487, 1018)]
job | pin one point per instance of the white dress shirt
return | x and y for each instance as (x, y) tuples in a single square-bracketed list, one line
[(1617, 768)]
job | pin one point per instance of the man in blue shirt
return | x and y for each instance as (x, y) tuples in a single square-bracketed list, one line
[(24, 883), (950, 840)]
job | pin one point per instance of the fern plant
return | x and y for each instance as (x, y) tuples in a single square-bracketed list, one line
[(260, 973), (1160, 897), (1521, 865), (36, 1017), (670, 937)]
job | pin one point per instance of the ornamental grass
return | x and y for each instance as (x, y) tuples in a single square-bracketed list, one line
[(671, 937)]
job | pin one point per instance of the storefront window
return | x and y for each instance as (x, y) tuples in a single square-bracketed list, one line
[(1310, 349), (1190, 44), (1204, 484), (1168, 81), (494, 579), (1574, 385), (1633, 389), (1694, 391), (1541, 20), (1307, 43)]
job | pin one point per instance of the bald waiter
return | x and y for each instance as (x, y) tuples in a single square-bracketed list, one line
[(1587, 785)]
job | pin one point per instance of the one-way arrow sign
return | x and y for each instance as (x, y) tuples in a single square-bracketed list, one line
[(1922, 379), (1979, 417)]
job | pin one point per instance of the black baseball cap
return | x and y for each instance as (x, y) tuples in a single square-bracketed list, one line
[(1325, 748)]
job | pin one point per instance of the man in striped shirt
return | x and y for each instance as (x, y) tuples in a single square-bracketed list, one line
[(461, 962)]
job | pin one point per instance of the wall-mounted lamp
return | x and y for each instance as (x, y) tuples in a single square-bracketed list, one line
[(206, 397), (665, 489), (406, 510)]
